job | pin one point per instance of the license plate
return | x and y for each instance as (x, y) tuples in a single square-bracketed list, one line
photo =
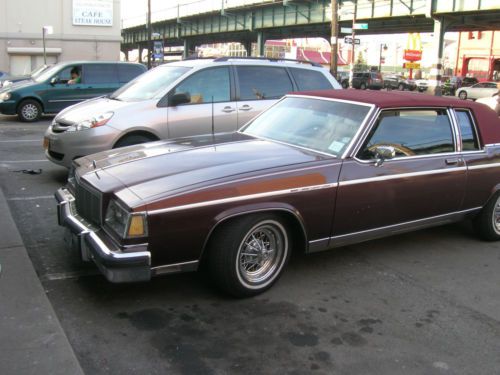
[(46, 143)]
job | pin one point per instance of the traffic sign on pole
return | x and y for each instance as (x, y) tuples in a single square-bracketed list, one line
[(360, 26), (348, 40), (346, 30)]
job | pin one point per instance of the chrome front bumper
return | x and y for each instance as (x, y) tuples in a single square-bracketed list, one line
[(94, 244)]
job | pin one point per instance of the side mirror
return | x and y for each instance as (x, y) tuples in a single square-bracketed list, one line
[(382, 153), (54, 80), (179, 98)]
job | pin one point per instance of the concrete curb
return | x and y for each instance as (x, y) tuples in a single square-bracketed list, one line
[(32, 340)]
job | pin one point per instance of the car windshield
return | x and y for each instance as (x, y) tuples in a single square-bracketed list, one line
[(36, 72), (321, 125), (149, 85), (47, 74)]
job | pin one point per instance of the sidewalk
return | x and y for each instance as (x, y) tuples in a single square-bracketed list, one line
[(32, 340)]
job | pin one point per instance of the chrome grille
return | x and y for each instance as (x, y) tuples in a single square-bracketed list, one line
[(88, 204)]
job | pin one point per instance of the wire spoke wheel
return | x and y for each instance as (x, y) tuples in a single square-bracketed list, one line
[(261, 252), (496, 216)]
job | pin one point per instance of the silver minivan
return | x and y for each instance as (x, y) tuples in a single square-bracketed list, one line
[(179, 99)]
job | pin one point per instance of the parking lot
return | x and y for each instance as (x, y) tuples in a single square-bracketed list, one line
[(421, 303)]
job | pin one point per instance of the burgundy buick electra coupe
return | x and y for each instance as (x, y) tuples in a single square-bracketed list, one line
[(316, 171)]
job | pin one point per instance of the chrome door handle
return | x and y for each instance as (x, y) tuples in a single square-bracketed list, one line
[(452, 161), (228, 109), (245, 108)]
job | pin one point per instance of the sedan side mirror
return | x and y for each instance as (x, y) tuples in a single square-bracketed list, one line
[(179, 98), (54, 80), (382, 153)]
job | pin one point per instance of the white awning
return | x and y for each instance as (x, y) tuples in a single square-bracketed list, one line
[(33, 51)]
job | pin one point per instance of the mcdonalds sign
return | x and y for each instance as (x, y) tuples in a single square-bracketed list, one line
[(413, 51)]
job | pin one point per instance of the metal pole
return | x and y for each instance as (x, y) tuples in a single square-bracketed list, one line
[(44, 51), (380, 60), (351, 72), (334, 38), (149, 35)]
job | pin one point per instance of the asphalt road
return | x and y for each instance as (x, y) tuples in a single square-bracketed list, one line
[(421, 303)]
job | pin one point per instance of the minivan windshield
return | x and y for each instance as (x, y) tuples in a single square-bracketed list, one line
[(150, 84), (47, 74)]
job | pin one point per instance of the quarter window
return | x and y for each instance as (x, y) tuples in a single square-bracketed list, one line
[(258, 82), (206, 86), (100, 73), (411, 133), (310, 79), (469, 137)]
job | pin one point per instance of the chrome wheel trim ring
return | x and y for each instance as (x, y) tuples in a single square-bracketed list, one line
[(496, 216), (29, 111), (261, 254)]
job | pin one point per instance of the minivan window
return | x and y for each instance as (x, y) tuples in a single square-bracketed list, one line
[(310, 79), (206, 86), (65, 75), (128, 72), (149, 85), (49, 73), (257, 82), (100, 73)]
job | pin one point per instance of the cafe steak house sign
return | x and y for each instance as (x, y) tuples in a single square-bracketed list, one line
[(93, 12)]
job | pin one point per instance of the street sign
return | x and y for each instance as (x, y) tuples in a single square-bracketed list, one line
[(348, 40), (360, 26), (411, 65), (345, 30)]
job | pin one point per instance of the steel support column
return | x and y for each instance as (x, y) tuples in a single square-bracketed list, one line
[(437, 67), (261, 41), (187, 45)]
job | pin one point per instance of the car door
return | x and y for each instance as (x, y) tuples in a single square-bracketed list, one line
[(60, 94), (210, 98), (258, 87), (425, 179)]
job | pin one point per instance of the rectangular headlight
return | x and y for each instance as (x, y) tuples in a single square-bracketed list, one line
[(124, 223)]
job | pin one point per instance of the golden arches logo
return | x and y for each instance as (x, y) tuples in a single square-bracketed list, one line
[(414, 42)]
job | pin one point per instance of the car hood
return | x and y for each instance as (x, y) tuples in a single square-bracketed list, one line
[(18, 85), (88, 109), (164, 168)]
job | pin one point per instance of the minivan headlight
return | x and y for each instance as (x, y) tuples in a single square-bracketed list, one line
[(5, 95), (91, 123), (125, 223)]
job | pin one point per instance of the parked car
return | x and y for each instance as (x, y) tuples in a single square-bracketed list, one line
[(400, 82), (51, 91), (367, 80), (493, 102), (179, 99), (479, 90), (3, 76), (343, 79), (317, 170), (10, 80), (422, 85)]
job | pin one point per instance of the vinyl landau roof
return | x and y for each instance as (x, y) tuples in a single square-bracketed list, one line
[(487, 121)]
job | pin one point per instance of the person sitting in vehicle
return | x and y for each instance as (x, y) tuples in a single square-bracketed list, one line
[(75, 76)]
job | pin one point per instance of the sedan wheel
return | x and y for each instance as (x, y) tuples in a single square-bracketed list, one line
[(463, 95), (247, 255), (487, 223), (29, 111), (401, 87)]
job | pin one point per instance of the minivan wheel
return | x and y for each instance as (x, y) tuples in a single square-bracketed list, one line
[(401, 87), (29, 110), (248, 254), (487, 223), (133, 139)]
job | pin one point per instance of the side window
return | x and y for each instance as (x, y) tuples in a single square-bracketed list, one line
[(310, 79), (257, 82), (207, 85), (128, 72), (100, 73), (469, 136), (65, 75), (411, 132)]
